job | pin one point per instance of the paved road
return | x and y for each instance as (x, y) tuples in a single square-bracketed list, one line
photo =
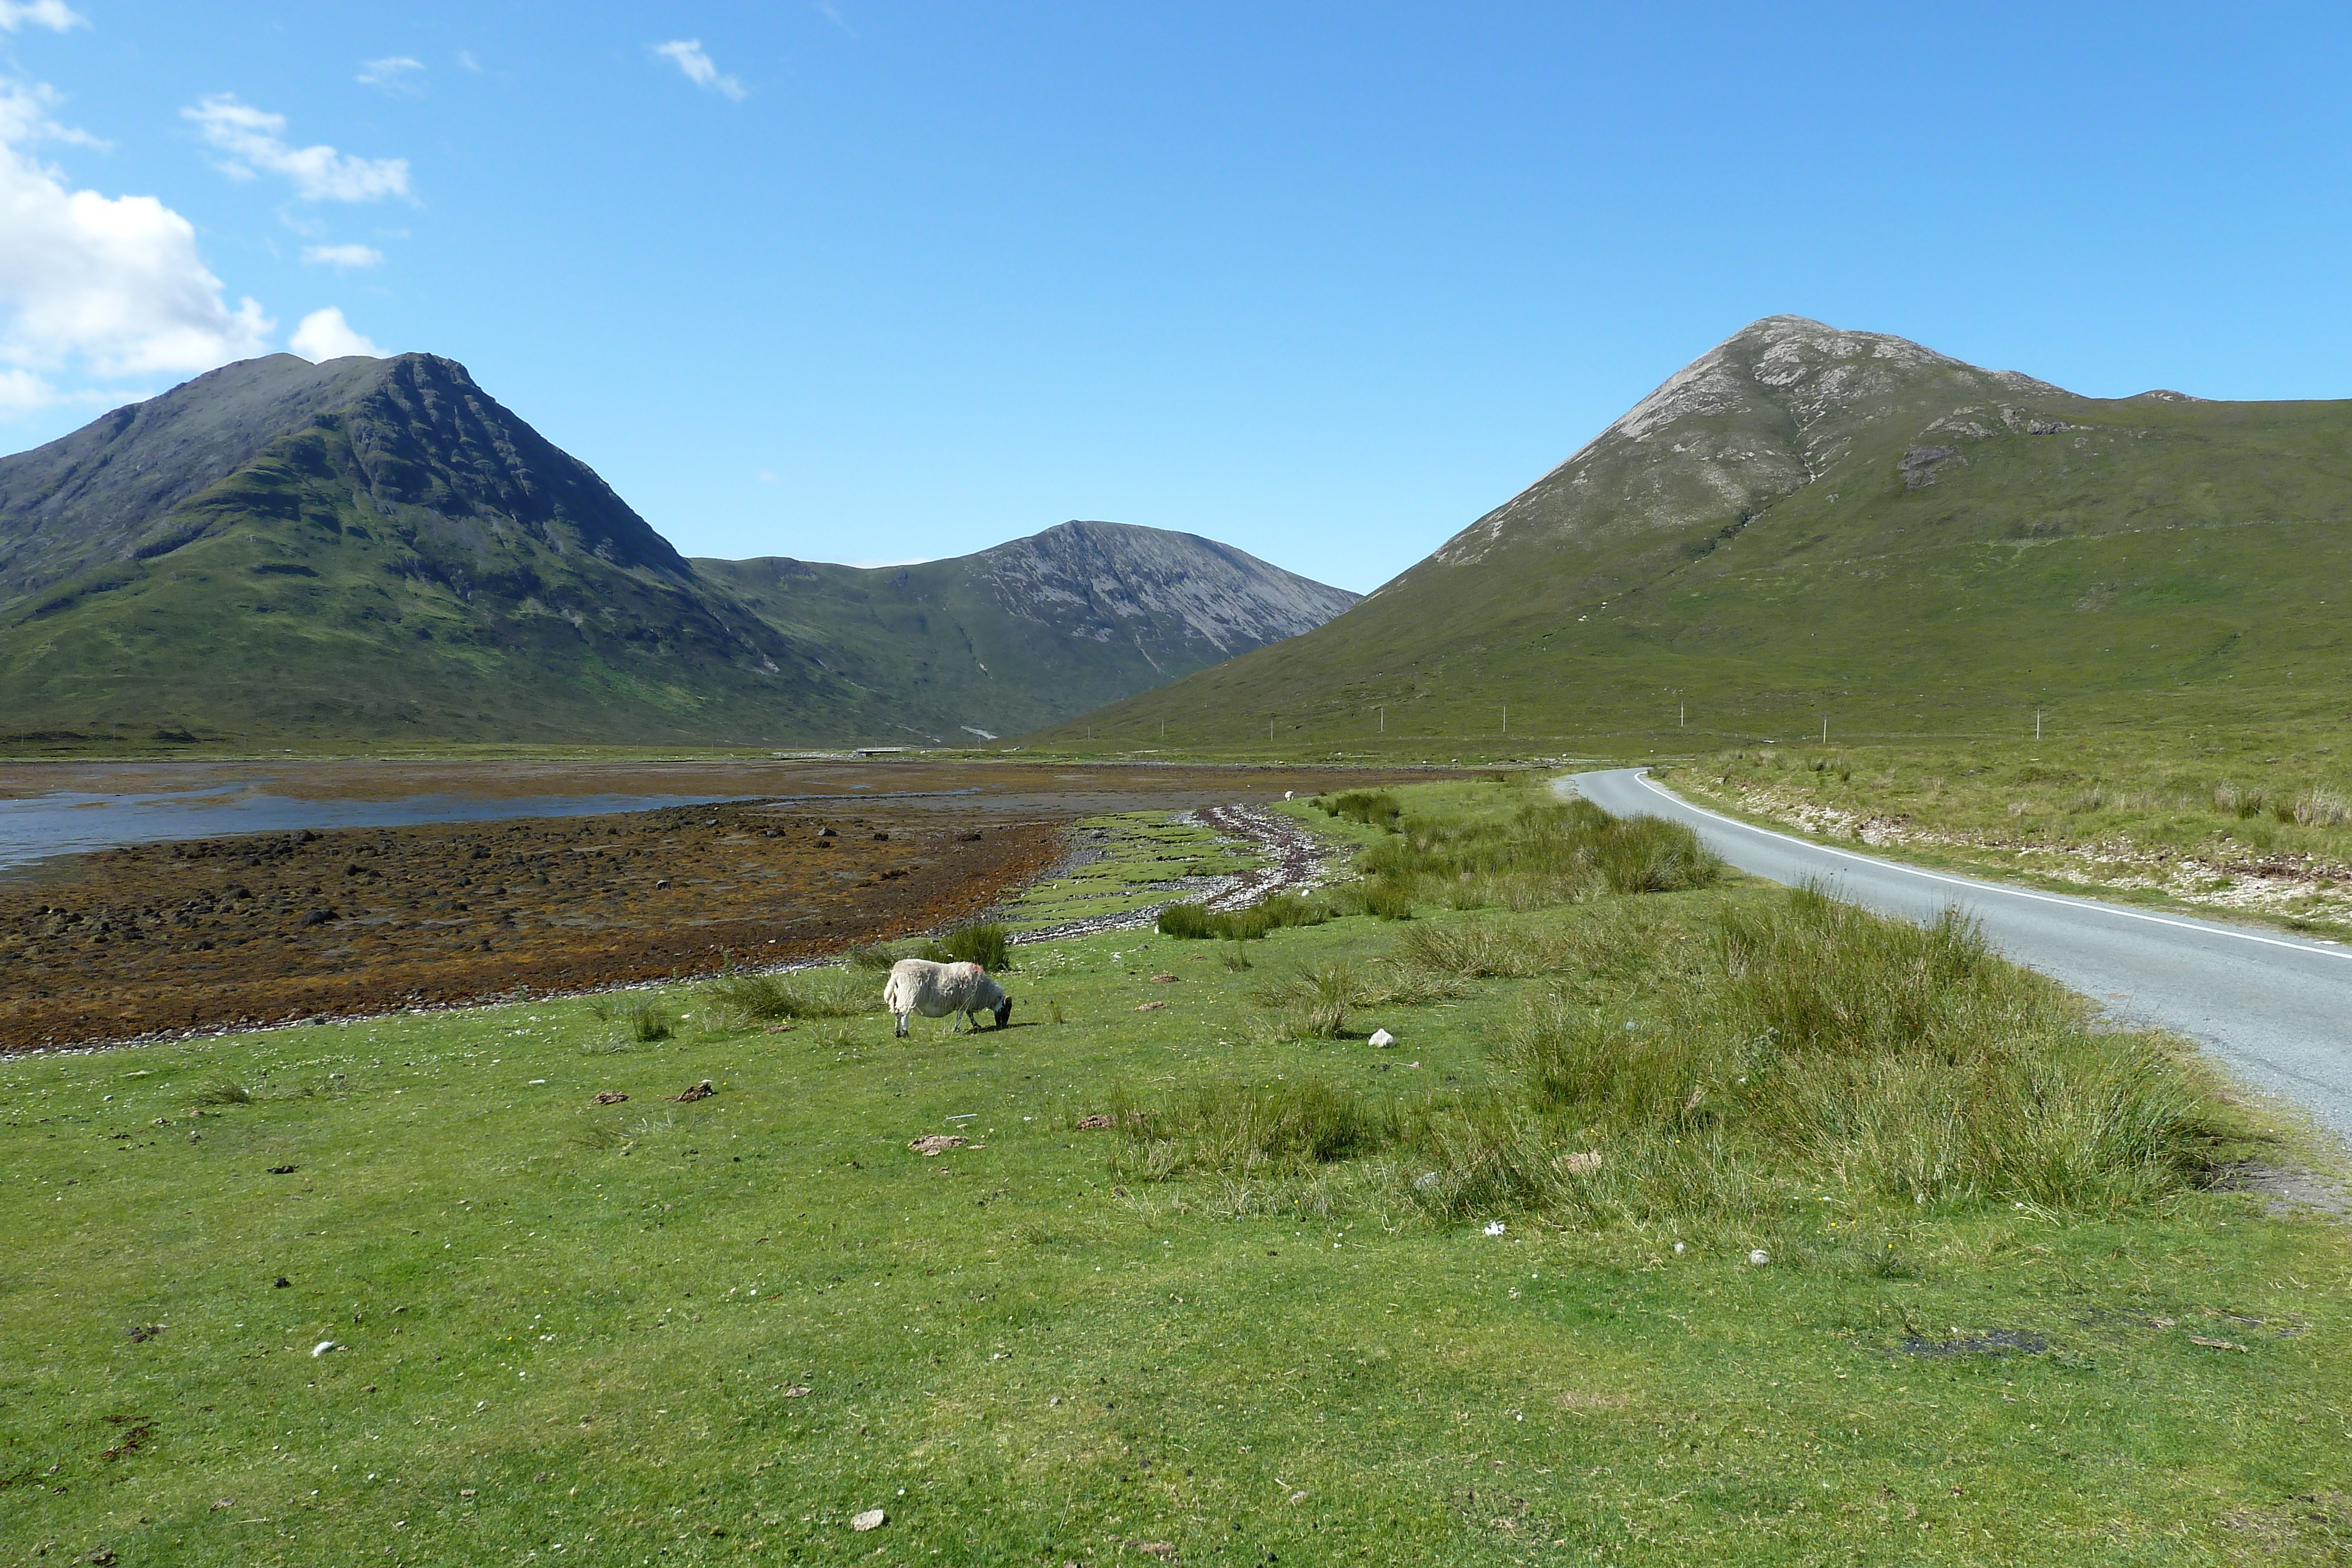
[(2276, 1009)]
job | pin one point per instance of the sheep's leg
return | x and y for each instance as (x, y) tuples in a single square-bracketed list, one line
[(902, 1025)]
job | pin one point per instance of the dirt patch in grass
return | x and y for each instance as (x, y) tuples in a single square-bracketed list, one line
[(2288, 1190)]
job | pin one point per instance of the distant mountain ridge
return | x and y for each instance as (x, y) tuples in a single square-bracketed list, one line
[(376, 549), (1807, 523)]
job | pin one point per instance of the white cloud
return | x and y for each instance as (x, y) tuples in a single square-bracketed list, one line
[(699, 67), (250, 137), (54, 14), (341, 256), (390, 73), (325, 335), (98, 285), (465, 59)]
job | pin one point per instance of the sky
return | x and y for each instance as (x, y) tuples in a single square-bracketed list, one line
[(871, 281)]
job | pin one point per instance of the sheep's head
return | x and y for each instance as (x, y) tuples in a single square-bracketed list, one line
[(1004, 1011)]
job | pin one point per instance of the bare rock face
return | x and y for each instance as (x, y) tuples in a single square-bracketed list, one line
[(1107, 581)]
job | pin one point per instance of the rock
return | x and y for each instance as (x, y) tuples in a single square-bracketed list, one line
[(936, 1144), (872, 1519), (797, 1391), (611, 1097), (1382, 1039), (1150, 1006), (1095, 1123), (1163, 980), (281, 1170), (322, 1347), (1679, 1250), (702, 1090), (1428, 1181), (1584, 1162), (1495, 1228), (1759, 1257)]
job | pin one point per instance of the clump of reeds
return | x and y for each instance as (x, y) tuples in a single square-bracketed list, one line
[(2323, 808), (736, 1000), (643, 1021), (1373, 808), (981, 942), (1199, 923), (871, 955), (1545, 853), (1244, 1129)]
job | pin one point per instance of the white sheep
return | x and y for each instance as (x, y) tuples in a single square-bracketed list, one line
[(936, 990)]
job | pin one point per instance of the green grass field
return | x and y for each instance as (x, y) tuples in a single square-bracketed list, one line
[(715, 1330)]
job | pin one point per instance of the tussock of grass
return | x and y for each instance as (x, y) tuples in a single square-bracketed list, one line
[(1691, 1075), (1548, 854), (1250, 1129), (643, 1019), (983, 942), (1373, 808), (743, 1000), (1199, 923)]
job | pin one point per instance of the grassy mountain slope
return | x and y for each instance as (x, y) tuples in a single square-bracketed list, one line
[(413, 562), (375, 549), (1033, 630), (1806, 523)]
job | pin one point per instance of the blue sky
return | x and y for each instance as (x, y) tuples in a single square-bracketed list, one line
[(868, 281)]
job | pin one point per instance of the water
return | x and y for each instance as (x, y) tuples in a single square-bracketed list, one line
[(69, 822)]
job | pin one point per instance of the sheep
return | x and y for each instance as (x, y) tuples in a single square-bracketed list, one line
[(935, 991)]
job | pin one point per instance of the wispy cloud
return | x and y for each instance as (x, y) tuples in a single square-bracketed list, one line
[(832, 12), (465, 59), (54, 14), (699, 67), (325, 335), (92, 286), (341, 256), (251, 137), (393, 73)]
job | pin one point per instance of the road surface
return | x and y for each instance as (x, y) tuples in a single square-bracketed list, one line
[(2276, 1010)]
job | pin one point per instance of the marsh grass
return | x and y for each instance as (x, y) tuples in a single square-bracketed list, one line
[(1243, 1129), (737, 1001), (1547, 853), (1199, 923), (643, 1021)]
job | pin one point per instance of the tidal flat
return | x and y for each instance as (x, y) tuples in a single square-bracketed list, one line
[(212, 930)]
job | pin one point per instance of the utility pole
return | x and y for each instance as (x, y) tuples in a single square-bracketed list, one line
[(2037, 724), (1507, 718), (1384, 717), (1682, 715), (1825, 729)]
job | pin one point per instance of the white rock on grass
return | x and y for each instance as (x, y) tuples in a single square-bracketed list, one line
[(1495, 1228), (872, 1519), (1382, 1038), (322, 1347), (1759, 1258)]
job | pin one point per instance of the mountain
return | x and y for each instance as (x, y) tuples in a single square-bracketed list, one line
[(1808, 524), (1040, 629), (376, 549)]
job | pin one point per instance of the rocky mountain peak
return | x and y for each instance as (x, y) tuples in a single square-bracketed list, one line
[(1754, 419)]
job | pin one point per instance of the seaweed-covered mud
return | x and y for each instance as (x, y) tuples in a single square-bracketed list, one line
[(158, 939)]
